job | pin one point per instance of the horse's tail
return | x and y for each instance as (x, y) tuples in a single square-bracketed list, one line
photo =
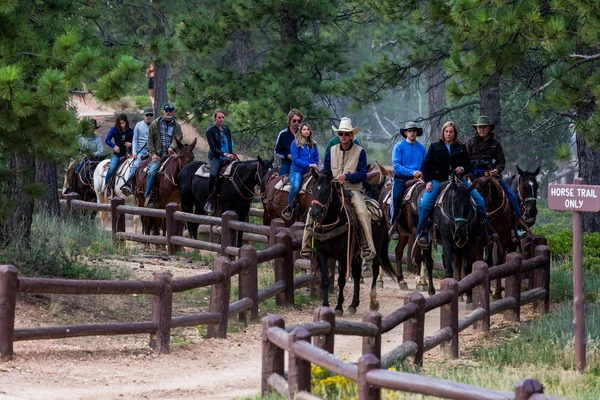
[(386, 265)]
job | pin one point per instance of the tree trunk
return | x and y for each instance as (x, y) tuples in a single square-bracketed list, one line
[(243, 51), (45, 173), (160, 88), (18, 222), (288, 27), (490, 103), (589, 165), (436, 96)]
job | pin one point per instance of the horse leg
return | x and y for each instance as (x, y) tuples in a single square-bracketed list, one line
[(399, 252), (339, 310), (324, 279), (366, 271), (356, 263), (429, 262), (374, 304), (494, 259)]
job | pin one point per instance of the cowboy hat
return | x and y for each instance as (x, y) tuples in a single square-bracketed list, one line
[(411, 125), (92, 122), (482, 120), (345, 126)]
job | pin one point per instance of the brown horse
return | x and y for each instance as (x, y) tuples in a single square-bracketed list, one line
[(525, 187), (165, 184), (275, 200)]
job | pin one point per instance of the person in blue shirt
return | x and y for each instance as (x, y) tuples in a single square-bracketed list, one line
[(407, 157), (220, 145), (285, 139), (122, 135), (305, 155), (444, 157)]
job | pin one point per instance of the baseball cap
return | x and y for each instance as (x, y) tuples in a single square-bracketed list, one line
[(169, 107), (148, 110)]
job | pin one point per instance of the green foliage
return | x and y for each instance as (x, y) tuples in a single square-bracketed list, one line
[(141, 101), (54, 248)]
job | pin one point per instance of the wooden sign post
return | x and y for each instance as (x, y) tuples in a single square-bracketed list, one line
[(577, 198)]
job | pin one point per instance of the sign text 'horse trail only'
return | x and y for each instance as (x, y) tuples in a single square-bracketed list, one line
[(582, 198)]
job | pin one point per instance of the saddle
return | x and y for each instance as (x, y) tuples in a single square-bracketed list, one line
[(374, 208), (284, 185), (86, 174), (118, 172), (226, 169)]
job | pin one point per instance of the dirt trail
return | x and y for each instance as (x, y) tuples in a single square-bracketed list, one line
[(124, 367)]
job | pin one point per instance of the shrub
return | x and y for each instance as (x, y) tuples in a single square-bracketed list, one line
[(141, 102)]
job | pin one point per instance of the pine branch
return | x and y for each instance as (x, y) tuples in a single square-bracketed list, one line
[(29, 53)]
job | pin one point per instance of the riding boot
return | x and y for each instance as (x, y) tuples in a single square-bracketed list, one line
[(129, 187), (306, 252), (393, 232), (366, 238), (209, 206), (490, 233)]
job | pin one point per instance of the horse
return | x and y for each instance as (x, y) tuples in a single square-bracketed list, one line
[(525, 186), (335, 232), (119, 178), (275, 200), (455, 226), (82, 182), (233, 193), (165, 183)]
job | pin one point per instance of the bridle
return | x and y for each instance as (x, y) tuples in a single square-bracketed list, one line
[(454, 221), (325, 208), (523, 201), (239, 189)]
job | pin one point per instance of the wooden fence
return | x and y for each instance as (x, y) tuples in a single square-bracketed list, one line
[(371, 372), (283, 251)]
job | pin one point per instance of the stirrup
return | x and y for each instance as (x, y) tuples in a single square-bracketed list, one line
[(423, 239), (306, 254), (367, 255), (287, 213), (209, 208)]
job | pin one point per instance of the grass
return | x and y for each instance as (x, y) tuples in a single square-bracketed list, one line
[(57, 245)]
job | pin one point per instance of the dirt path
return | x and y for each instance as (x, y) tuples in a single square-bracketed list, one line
[(124, 367)]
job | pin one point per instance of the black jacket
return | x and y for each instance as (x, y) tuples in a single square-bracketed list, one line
[(489, 151), (439, 164), (213, 136)]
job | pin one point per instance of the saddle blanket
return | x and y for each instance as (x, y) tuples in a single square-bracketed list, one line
[(284, 185), (204, 170), (407, 195), (374, 209)]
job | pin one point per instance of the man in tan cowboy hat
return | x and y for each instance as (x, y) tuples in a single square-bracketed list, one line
[(348, 164), (486, 154)]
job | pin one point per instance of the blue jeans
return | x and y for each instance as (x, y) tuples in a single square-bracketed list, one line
[(511, 196), (80, 165), (215, 169), (286, 164), (295, 181), (397, 193), (153, 168), (114, 163), (428, 201), (136, 163)]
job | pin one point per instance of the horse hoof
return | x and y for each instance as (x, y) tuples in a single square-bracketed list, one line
[(431, 292), (374, 306), (351, 310), (497, 296), (379, 284), (367, 273), (362, 281), (339, 313), (421, 287), (461, 298), (470, 306), (403, 285)]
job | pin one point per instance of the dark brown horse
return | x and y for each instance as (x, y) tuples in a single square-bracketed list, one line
[(82, 182), (165, 184), (276, 200), (525, 187)]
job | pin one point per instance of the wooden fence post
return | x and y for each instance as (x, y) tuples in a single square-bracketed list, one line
[(296, 231), (481, 296), (325, 342), (284, 270), (248, 283), (367, 363), (272, 356), (70, 197), (449, 319), (273, 227), (9, 277), (171, 226), (219, 299), (228, 236), (162, 307), (372, 344), (298, 369), (118, 219), (527, 244), (414, 328), (541, 276), (527, 387), (513, 288)]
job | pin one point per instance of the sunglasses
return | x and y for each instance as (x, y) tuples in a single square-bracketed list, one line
[(411, 130), (296, 120), (344, 133), (149, 115)]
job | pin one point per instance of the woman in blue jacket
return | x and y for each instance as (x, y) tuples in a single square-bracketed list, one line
[(305, 155)]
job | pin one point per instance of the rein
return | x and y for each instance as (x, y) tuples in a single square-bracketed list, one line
[(454, 221), (523, 201), (232, 177), (502, 204)]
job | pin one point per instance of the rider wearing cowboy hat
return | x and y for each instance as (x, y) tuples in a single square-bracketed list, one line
[(348, 164), (486, 154), (407, 158)]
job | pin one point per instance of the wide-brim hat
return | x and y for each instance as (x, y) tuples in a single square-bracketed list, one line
[(92, 121), (482, 120), (346, 126), (411, 125)]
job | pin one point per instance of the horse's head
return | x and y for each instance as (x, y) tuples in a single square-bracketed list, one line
[(321, 194), (527, 188), (460, 212), (186, 153), (264, 169)]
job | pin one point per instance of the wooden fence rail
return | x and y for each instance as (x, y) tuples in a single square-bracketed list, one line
[(370, 373), (162, 289)]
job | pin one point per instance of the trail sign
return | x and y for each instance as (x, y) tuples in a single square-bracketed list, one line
[(581, 198), (577, 198)]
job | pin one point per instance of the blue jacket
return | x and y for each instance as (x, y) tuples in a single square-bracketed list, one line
[(284, 143), (407, 158), (120, 139), (302, 157)]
